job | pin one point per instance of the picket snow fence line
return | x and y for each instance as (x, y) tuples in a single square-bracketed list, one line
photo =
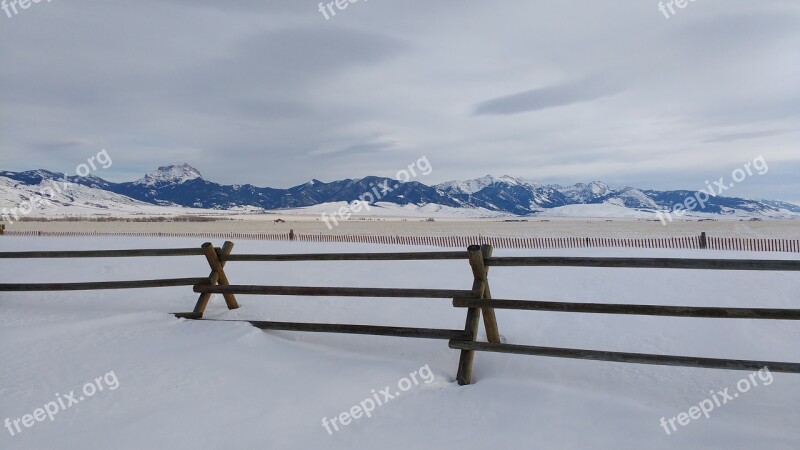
[(680, 242)]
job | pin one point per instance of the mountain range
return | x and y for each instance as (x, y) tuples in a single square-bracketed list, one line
[(181, 185)]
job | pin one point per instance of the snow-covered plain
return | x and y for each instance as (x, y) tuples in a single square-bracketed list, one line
[(212, 385)]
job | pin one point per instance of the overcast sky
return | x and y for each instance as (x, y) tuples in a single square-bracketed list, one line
[(269, 92)]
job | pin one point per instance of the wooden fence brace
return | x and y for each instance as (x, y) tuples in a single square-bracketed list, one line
[(489, 319), (202, 301), (464, 374), (216, 267)]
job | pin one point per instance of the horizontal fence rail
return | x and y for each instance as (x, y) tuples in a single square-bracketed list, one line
[(639, 310), (529, 242), (477, 301), (407, 256), (636, 358), (424, 333), (646, 263), (102, 285), (104, 253), (653, 310), (335, 291)]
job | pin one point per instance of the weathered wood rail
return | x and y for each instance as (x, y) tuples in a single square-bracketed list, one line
[(652, 310), (477, 301)]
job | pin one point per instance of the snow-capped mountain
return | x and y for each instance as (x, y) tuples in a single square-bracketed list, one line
[(172, 174), (181, 185), (477, 184), (49, 193), (592, 192)]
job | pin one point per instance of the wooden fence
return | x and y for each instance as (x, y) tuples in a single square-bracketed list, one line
[(683, 242), (477, 300)]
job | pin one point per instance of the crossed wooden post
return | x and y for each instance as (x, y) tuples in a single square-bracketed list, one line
[(480, 284), (217, 276), (480, 288)]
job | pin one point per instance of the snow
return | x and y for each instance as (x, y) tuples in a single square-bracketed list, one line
[(581, 192), (211, 385), (477, 184), (72, 199), (81, 200), (597, 210), (639, 197), (174, 173), (386, 209), (467, 186)]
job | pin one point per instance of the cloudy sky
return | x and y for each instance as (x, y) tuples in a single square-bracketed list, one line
[(272, 93)]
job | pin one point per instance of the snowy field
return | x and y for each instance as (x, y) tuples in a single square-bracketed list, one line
[(557, 227), (211, 385)]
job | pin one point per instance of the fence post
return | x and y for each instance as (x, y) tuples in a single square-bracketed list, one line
[(703, 240), (480, 270), (216, 267), (476, 254), (202, 302)]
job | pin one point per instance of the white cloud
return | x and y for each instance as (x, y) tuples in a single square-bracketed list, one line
[(269, 93)]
